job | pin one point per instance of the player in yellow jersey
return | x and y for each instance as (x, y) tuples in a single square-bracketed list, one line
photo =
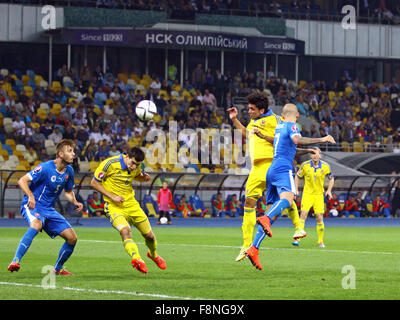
[(113, 178), (261, 132), (314, 172)]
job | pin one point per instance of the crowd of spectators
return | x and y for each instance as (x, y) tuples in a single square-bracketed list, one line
[(98, 110), (369, 10)]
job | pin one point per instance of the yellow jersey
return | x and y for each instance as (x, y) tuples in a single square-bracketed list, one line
[(116, 178), (314, 176), (266, 124)]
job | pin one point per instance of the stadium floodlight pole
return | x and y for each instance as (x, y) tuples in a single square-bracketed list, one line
[(69, 56), (297, 69), (104, 60), (50, 59), (85, 56), (276, 65), (182, 65), (244, 62), (166, 63), (206, 60), (265, 69), (222, 61)]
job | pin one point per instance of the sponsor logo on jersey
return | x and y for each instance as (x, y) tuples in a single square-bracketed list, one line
[(101, 175), (295, 127)]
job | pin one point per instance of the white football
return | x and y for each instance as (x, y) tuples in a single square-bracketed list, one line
[(145, 110), (334, 212), (163, 220)]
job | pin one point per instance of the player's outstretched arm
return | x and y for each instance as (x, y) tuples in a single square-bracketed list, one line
[(70, 196), (23, 183), (307, 141), (303, 151), (233, 113), (142, 177), (96, 185)]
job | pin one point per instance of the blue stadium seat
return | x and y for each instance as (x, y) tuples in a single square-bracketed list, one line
[(8, 148), (150, 206), (197, 204), (18, 73)]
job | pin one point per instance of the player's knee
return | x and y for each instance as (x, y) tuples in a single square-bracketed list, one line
[(250, 202), (36, 224), (125, 233), (149, 236), (72, 240)]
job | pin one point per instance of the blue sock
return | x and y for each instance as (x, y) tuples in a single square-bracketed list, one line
[(65, 252), (260, 235), (24, 244), (278, 207)]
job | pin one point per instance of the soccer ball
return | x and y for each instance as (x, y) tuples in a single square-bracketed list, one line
[(163, 220), (334, 212), (145, 110)]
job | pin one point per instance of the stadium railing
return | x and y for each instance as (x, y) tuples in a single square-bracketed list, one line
[(203, 184)]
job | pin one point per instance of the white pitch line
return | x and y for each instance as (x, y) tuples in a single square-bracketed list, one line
[(118, 292), (238, 247)]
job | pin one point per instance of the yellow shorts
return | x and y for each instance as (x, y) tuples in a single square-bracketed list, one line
[(127, 214), (315, 201), (256, 182)]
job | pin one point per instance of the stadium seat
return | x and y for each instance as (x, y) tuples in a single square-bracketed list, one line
[(7, 123), (7, 148), (150, 206), (358, 147), (84, 166), (93, 165), (197, 204), (4, 153), (25, 78), (345, 146)]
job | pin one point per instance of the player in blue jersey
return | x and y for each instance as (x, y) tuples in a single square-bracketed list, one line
[(42, 187), (281, 189)]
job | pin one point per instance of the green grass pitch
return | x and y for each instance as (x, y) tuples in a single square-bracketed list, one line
[(201, 266)]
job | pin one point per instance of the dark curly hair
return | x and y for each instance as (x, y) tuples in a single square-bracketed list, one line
[(259, 99)]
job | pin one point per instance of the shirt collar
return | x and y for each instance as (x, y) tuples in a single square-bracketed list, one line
[(264, 115), (318, 167), (121, 160)]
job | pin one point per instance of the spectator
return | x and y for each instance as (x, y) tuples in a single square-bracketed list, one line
[(156, 86), (334, 204), (43, 157), (164, 201), (95, 205), (351, 207), (234, 206), (362, 206), (102, 154), (38, 139), (184, 208), (56, 136), (197, 77), (209, 101), (381, 207), (262, 205), (113, 151), (31, 156), (219, 206)]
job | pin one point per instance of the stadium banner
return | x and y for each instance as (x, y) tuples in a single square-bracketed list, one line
[(182, 39)]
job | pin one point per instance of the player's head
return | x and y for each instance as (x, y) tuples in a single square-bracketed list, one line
[(65, 150), (258, 104), (315, 157), (134, 158), (290, 113)]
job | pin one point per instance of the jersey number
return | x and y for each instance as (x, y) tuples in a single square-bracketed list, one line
[(277, 136)]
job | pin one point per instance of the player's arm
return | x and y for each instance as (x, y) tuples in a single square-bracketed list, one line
[(330, 187), (296, 183), (233, 113), (303, 151), (298, 139), (98, 186), (70, 196), (260, 135), (23, 183), (142, 177)]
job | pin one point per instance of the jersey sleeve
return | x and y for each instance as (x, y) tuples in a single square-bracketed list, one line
[(301, 173), (102, 170), (36, 175), (293, 130), (70, 180), (328, 171)]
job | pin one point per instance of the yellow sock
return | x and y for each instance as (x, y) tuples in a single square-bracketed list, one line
[(293, 214), (249, 221), (152, 245), (320, 231), (301, 223), (132, 249)]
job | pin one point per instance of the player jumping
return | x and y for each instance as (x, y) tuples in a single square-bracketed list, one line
[(280, 181), (113, 178), (42, 187), (260, 131)]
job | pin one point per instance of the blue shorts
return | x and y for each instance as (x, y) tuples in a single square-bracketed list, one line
[(278, 181), (53, 222)]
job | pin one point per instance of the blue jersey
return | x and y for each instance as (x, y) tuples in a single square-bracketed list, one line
[(47, 183), (284, 147)]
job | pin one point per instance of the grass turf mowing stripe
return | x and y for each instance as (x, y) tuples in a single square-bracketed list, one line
[(118, 292)]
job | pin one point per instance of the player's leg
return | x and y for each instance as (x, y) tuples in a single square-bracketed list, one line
[(320, 229), (150, 239), (24, 244), (299, 229), (66, 250)]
